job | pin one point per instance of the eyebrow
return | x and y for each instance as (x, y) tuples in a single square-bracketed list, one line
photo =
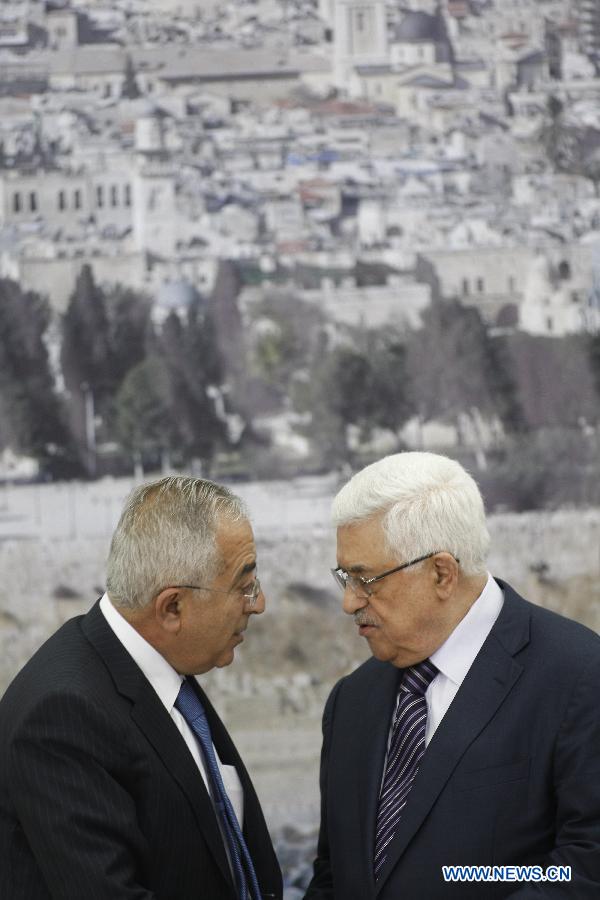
[(357, 569), (245, 570)]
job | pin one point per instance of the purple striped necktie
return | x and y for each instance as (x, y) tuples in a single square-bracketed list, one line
[(407, 746)]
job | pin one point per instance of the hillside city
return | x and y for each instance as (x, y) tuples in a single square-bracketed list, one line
[(369, 156), (153, 139), (452, 149)]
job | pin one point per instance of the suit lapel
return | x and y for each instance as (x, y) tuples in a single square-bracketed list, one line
[(488, 682), (154, 721)]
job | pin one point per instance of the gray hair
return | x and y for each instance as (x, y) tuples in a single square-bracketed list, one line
[(429, 503), (167, 535)]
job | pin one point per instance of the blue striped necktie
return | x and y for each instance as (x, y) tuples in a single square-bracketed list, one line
[(407, 746), (190, 706)]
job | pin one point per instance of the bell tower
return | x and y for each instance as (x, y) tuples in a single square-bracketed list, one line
[(360, 37)]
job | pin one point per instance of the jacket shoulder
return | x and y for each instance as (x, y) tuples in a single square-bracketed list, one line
[(65, 663), (367, 676), (550, 624)]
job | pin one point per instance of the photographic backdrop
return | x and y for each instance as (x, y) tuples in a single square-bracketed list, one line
[(268, 242)]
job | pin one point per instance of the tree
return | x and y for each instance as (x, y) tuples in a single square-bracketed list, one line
[(323, 396), (447, 363), (86, 339), (593, 353), (143, 412), (87, 362), (554, 379), (364, 386), (387, 401), (462, 376), (32, 419), (284, 330), (193, 372), (572, 148), (129, 329), (225, 316)]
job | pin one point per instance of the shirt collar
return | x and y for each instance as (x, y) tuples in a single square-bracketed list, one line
[(456, 655), (161, 675)]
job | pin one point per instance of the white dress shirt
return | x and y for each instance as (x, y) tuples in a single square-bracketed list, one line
[(167, 682), (457, 654)]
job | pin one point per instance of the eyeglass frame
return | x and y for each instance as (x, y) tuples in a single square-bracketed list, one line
[(357, 582), (250, 599)]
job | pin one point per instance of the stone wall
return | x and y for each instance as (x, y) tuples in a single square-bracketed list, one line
[(273, 695)]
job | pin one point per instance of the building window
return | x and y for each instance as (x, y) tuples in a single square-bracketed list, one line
[(480, 285), (465, 287), (16, 202), (360, 21), (564, 270), (114, 200), (62, 203), (33, 201), (511, 284), (99, 195), (549, 323), (127, 195), (77, 199)]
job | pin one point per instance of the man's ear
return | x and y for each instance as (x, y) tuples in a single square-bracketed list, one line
[(168, 608), (446, 574)]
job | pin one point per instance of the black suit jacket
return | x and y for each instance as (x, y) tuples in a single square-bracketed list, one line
[(100, 799), (511, 775)]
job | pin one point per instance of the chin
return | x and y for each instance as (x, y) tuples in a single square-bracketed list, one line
[(225, 661), (385, 655)]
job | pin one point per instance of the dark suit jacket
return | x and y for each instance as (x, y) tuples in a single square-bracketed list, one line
[(511, 775), (100, 799)]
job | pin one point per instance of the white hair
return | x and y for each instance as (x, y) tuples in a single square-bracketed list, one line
[(167, 535), (429, 503)]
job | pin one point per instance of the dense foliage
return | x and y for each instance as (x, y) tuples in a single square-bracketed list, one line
[(208, 386)]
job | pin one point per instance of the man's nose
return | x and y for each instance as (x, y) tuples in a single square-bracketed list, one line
[(352, 601), (259, 606)]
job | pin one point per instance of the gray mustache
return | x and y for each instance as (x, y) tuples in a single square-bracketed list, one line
[(360, 618)]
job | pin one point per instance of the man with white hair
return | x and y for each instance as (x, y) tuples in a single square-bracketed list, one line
[(472, 737), (118, 780)]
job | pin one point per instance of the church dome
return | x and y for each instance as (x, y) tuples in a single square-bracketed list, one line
[(425, 28), (418, 26), (176, 295)]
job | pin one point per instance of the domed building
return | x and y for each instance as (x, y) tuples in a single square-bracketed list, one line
[(173, 296), (421, 39), (389, 64)]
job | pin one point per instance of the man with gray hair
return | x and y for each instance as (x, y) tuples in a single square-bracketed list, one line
[(464, 757), (117, 778)]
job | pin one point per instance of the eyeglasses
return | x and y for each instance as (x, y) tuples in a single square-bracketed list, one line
[(361, 585), (249, 598)]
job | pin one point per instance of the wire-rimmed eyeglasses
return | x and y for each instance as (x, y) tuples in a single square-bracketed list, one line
[(362, 585), (249, 597)]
